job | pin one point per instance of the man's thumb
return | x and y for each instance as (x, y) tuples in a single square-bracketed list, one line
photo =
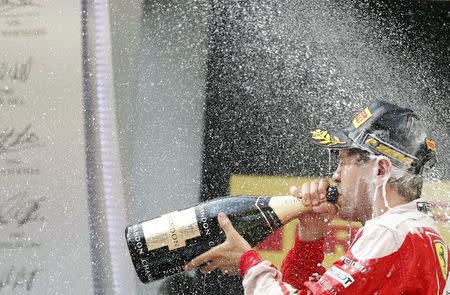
[(225, 224)]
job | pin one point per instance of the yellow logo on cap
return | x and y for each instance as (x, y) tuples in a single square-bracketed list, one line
[(372, 142), (384, 149), (362, 117), (325, 138), (431, 144), (442, 254)]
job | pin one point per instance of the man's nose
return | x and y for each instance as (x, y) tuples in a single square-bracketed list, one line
[(337, 174)]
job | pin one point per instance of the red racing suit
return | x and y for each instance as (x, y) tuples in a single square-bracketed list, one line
[(399, 252)]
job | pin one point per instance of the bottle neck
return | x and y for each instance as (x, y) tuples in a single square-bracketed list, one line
[(287, 208)]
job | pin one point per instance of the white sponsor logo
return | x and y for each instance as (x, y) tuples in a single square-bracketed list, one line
[(354, 264), (327, 286), (341, 276)]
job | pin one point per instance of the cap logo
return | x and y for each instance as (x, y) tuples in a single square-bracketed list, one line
[(323, 137), (388, 150), (431, 144), (362, 117)]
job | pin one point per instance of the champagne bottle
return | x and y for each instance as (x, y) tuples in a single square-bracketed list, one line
[(162, 246)]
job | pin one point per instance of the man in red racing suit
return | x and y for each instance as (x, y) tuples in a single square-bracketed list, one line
[(382, 155), (399, 252)]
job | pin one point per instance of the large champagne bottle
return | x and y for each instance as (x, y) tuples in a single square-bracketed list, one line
[(162, 246)]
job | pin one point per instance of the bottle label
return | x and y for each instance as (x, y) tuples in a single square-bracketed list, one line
[(171, 230)]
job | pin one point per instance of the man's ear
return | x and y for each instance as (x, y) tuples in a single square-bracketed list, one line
[(384, 170)]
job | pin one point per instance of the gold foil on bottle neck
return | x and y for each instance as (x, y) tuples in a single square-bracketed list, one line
[(286, 208)]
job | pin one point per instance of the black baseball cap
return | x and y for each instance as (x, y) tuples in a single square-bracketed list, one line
[(385, 129)]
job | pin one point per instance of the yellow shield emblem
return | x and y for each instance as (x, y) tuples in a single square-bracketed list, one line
[(442, 254)]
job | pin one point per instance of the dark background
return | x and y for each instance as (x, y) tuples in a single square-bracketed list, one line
[(278, 69)]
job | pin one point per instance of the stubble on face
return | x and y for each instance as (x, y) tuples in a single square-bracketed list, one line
[(355, 186)]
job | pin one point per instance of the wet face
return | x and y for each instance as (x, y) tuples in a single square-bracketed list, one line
[(354, 179)]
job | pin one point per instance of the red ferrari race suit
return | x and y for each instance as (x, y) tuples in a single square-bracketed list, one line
[(399, 252)]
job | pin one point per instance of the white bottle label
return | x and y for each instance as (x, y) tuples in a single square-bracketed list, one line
[(172, 230)]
